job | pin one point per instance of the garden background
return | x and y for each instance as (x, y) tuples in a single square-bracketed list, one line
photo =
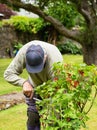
[(71, 25)]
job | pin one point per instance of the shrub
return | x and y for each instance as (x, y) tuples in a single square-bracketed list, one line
[(25, 24), (65, 99), (70, 48), (17, 46)]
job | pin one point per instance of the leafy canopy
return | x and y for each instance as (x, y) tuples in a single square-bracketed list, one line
[(62, 10)]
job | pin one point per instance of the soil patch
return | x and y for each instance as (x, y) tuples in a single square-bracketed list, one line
[(9, 100)]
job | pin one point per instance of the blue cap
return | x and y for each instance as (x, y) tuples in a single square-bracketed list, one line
[(34, 59)]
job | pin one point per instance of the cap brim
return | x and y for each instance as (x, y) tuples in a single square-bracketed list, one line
[(35, 69)]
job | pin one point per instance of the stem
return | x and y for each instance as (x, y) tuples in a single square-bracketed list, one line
[(83, 106), (61, 114), (92, 101)]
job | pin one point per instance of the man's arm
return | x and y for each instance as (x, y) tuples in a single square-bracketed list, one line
[(15, 68)]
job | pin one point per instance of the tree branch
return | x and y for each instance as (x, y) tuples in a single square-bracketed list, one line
[(83, 8), (94, 6), (87, 16)]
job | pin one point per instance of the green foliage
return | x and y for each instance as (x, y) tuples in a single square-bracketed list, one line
[(17, 47), (64, 12), (65, 99), (69, 47), (25, 24)]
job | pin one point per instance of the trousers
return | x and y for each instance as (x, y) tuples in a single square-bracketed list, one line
[(33, 122), (33, 128)]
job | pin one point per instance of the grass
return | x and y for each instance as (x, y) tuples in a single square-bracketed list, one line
[(15, 117), (73, 58)]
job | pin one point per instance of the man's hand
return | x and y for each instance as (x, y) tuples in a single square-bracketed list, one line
[(28, 90)]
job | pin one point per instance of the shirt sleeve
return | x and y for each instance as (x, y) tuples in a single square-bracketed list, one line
[(15, 68)]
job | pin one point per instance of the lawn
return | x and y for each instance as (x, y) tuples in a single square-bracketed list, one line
[(15, 117), (73, 59)]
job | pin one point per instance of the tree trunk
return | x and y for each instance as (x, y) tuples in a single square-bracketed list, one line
[(52, 36), (90, 53)]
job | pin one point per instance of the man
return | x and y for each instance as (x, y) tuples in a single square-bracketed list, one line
[(38, 58)]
